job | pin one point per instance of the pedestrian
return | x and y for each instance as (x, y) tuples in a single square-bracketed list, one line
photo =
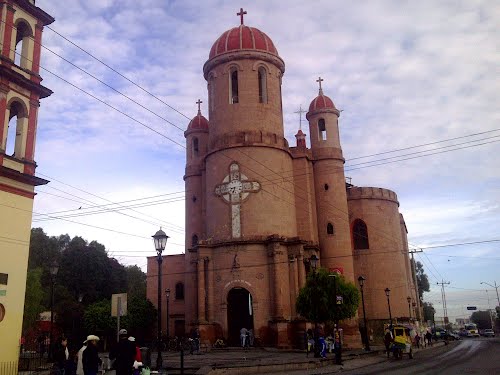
[(79, 364), (195, 341), (417, 340), (90, 356), (310, 341), (138, 354), (123, 353), (322, 346), (387, 341), (428, 336), (71, 363), (251, 337), (60, 356), (243, 336), (338, 347)]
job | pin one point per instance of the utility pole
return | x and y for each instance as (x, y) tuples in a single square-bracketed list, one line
[(443, 297), (496, 288), (414, 274)]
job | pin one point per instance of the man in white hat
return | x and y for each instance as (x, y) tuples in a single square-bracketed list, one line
[(90, 356)]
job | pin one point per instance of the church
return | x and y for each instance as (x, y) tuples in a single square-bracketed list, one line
[(258, 210)]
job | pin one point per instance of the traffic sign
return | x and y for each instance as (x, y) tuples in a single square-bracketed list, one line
[(471, 308)]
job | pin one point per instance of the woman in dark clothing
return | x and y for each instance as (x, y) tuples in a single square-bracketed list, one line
[(60, 356), (90, 357)]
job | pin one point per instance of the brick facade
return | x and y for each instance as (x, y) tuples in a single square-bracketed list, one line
[(258, 209)]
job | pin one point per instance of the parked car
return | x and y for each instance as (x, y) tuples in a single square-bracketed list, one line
[(489, 333), (453, 336)]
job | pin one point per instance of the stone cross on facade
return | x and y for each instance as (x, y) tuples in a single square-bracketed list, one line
[(241, 13), (235, 188), (300, 112), (319, 80)]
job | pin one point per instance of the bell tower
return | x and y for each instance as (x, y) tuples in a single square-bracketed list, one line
[(20, 92), (329, 180)]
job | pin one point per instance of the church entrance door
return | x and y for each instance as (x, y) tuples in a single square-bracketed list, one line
[(239, 314)]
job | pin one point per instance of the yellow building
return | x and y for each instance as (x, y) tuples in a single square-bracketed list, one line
[(21, 29)]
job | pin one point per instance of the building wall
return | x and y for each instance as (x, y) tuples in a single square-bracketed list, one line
[(383, 264), (15, 227)]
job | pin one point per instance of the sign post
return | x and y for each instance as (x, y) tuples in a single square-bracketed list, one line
[(118, 309)]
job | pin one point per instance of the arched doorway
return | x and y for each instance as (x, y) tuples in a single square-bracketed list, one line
[(239, 314)]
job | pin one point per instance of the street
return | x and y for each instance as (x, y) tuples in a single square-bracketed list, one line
[(468, 356)]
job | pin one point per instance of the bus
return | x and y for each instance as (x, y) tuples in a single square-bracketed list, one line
[(471, 329)]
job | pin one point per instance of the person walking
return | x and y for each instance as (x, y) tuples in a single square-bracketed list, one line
[(428, 336), (387, 341), (123, 354), (90, 356), (243, 336), (79, 363), (61, 355), (310, 341), (417, 340), (251, 337)]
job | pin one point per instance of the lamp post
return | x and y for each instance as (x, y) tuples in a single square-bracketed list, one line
[(160, 241), (409, 306), (361, 281), (167, 294), (496, 288), (314, 262), (387, 292), (54, 268)]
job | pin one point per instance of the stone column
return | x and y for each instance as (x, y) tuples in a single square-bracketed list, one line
[(201, 290)]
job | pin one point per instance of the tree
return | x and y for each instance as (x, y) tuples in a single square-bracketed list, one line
[(429, 311), (422, 279), (316, 300), (97, 318), (140, 319), (482, 319), (136, 282), (33, 299)]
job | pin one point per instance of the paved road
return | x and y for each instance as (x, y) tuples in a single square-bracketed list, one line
[(469, 356)]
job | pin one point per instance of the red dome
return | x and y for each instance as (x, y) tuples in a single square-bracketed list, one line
[(198, 122), (321, 102), (242, 38)]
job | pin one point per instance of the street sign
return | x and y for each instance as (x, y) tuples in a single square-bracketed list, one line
[(471, 308), (340, 299), (119, 304)]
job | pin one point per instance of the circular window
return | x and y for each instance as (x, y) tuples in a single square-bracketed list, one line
[(2, 312)]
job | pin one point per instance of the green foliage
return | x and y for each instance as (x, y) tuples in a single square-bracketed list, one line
[(422, 279), (316, 300), (140, 318), (482, 319), (429, 311), (33, 298), (97, 318), (136, 282)]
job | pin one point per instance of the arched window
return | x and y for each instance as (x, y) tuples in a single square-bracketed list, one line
[(322, 129), (233, 92), (329, 229), (194, 241), (262, 85), (195, 146), (179, 291), (14, 141), (360, 235), (23, 35)]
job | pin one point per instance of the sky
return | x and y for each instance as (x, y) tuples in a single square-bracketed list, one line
[(126, 76)]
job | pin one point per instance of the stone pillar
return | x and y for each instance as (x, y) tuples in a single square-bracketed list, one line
[(7, 36), (201, 291), (302, 271), (4, 89), (36, 50)]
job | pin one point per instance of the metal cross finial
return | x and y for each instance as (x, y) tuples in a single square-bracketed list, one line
[(300, 112), (319, 80), (199, 104), (241, 13)]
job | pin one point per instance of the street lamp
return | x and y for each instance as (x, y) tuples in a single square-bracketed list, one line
[(314, 262), (361, 281), (54, 268), (167, 293), (387, 292), (160, 241), (496, 288), (409, 306)]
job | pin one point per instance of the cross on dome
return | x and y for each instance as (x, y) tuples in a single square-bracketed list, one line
[(319, 80), (300, 112), (199, 105), (241, 13)]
